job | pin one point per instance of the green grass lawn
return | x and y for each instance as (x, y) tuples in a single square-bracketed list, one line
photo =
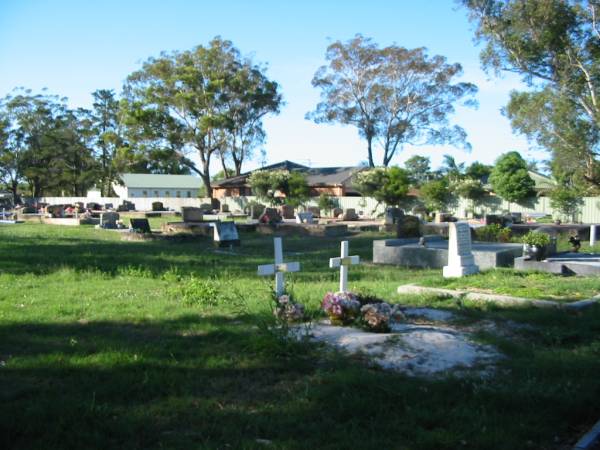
[(169, 344)]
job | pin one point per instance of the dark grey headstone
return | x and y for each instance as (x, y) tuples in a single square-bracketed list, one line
[(140, 225)]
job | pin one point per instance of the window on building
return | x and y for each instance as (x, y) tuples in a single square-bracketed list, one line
[(189, 194), (167, 193), (145, 194), (156, 194), (178, 194), (132, 194)]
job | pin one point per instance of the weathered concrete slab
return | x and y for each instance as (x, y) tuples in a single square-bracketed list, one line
[(421, 290), (506, 300), (194, 228), (434, 255), (510, 300), (564, 264)]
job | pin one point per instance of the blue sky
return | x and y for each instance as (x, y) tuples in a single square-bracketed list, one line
[(75, 47)]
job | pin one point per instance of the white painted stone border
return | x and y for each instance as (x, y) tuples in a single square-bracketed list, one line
[(507, 300)]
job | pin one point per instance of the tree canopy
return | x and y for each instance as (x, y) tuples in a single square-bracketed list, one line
[(555, 46), (392, 95), (510, 178), (385, 184), (200, 101)]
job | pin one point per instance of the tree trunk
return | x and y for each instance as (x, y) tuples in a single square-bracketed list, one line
[(13, 188), (370, 149)]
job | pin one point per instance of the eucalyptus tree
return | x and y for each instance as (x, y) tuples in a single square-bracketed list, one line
[(187, 103), (392, 95), (250, 97), (554, 45), (108, 136)]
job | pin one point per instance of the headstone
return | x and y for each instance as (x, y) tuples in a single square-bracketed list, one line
[(393, 215), (225, 234), (316, 212), (343, 262), (304, 217), (492, 219), (279, 268), (140, 225), (350, 215), (592, 235), (337, 212), (206, 207), (255, 210), (460, 258), (157, 206), (192, 214), (93, 206), (56, 210), (127, 206), (517, 217), (408, 226), (109, 220), (269, 215), (286, 211), (224, 208)]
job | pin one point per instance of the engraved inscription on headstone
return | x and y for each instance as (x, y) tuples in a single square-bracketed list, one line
[(460, 258)]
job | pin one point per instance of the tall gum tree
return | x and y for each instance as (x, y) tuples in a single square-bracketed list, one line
[(555, 46), (393, 96), (184, 102)]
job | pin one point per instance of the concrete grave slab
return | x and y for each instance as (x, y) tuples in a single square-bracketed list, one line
[(434, 255)]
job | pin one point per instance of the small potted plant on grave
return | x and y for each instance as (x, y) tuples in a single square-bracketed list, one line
[(535, 245), (288, 310), (341, 307)]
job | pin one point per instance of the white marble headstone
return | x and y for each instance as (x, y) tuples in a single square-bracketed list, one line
[(460, 257)]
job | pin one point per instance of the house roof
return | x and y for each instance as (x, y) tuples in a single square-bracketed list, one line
[(316, 176), (542, 182), (146, 180)]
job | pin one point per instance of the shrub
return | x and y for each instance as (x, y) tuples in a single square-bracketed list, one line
[(493, 233), (536, 238), (326, 202), (198, 291)]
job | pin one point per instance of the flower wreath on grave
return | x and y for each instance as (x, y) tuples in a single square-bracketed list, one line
[(376, 314), (288, 310), (341, 307)]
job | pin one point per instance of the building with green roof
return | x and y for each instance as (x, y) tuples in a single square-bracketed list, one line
[(144, 185)]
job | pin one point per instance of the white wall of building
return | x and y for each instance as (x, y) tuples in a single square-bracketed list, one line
[(161, 193)]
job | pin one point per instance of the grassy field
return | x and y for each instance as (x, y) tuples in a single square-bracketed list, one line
[(109, 344)]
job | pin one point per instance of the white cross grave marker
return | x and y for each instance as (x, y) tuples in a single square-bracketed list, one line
[(343, 262), (278, 268)]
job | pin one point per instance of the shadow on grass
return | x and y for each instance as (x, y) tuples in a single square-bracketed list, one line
[(220, 382), (47, 253)]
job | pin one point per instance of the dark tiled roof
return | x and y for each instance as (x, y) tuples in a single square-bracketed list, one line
[(317, 176)]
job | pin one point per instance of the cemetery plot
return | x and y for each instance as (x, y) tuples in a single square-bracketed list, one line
[(179, 343)]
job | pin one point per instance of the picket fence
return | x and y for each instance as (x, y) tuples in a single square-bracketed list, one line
[(366, 207)]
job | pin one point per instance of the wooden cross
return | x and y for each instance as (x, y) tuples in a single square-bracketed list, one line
[(278, 268), (343, 262)]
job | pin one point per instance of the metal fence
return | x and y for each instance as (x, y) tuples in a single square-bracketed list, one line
[(589, 211)]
